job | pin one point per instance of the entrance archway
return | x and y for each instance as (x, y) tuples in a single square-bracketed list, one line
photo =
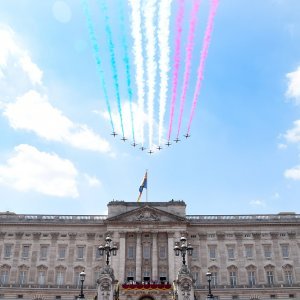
[(146, 297)]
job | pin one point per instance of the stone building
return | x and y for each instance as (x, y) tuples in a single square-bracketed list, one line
[(249, 256)]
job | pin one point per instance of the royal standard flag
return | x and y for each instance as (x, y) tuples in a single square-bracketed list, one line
[(142, 186)]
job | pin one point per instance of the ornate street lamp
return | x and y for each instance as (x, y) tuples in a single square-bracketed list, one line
[(210, 295), (107, 249), (82, 277), (183, 248)]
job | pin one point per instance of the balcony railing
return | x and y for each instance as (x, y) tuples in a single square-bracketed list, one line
[(21, 218), (147, 286), (244, 218)]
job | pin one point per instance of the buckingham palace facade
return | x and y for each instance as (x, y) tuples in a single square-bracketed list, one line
[(248, 256)]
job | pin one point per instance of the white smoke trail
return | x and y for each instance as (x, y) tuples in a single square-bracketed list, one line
[(136, 25), (164, 50), (151, 65)]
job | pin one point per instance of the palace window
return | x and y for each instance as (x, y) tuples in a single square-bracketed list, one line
[(25, 251), (41, 277), (212, 252), (288, 277), (249, 251), (285, 251), (195, 253), (4, 274), (267, 251), (214, 278), (196, 277), (130, 252), (230, 252), (270, 277), (233, 278), (80, 252), (251, 278), (146, 251), (43, 252), (7, 250), (162, 252), (62, 252), (22, 276), (60, 277)]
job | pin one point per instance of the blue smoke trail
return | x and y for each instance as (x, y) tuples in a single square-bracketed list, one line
[(97, 57), (112, 60), (127, 66)]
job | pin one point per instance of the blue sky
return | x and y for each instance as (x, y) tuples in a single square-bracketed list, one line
[(57, 155)]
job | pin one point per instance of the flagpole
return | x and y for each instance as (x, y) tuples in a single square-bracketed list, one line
[(147, 186)]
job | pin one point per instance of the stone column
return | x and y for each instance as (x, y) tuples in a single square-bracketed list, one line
[(154, 257), (171, 257), (116, 261), (138, 266), (120, 270)]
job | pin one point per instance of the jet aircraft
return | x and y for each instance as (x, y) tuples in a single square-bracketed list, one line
[(159, 148), (187, 135), (114, 133), (177, 140), (123, 139), (168, 144), (150, 151)]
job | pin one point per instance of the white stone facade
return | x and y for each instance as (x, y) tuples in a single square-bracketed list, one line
[(250, 257)]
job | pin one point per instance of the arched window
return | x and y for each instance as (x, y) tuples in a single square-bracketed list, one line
[(288, 274), (60, 275), (4, 274), (23, 274), (77, 271), (196, 271), (270, 270), (233, 275), (251, 272), (214, 275), (41, 275)]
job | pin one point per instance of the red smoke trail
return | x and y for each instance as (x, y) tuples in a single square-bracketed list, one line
[(176, 62), (207, 36), (188, 60)]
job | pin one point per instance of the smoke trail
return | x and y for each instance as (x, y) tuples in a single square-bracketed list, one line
[(138, 59), (188, 60), (176, 63), (163, 38), (97, 57), (127, 66), (112, 61), (204, 52), (151, 66)]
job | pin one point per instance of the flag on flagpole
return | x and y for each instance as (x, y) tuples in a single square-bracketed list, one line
[(142, 186)]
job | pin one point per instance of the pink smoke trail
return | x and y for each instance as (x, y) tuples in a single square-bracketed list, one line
[(206, 42), (176, 62), (188, 60)]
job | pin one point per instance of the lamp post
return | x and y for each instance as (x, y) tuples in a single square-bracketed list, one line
[(107, 249), (183, 248), (210, 295), (82, 277)]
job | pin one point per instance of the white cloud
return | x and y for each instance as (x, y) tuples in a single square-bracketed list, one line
[(293, 91), (293, 135), (92, 181), (282, 146), (293, 173), (29, 169), (257, 203), (11, 51), (33, 112)]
